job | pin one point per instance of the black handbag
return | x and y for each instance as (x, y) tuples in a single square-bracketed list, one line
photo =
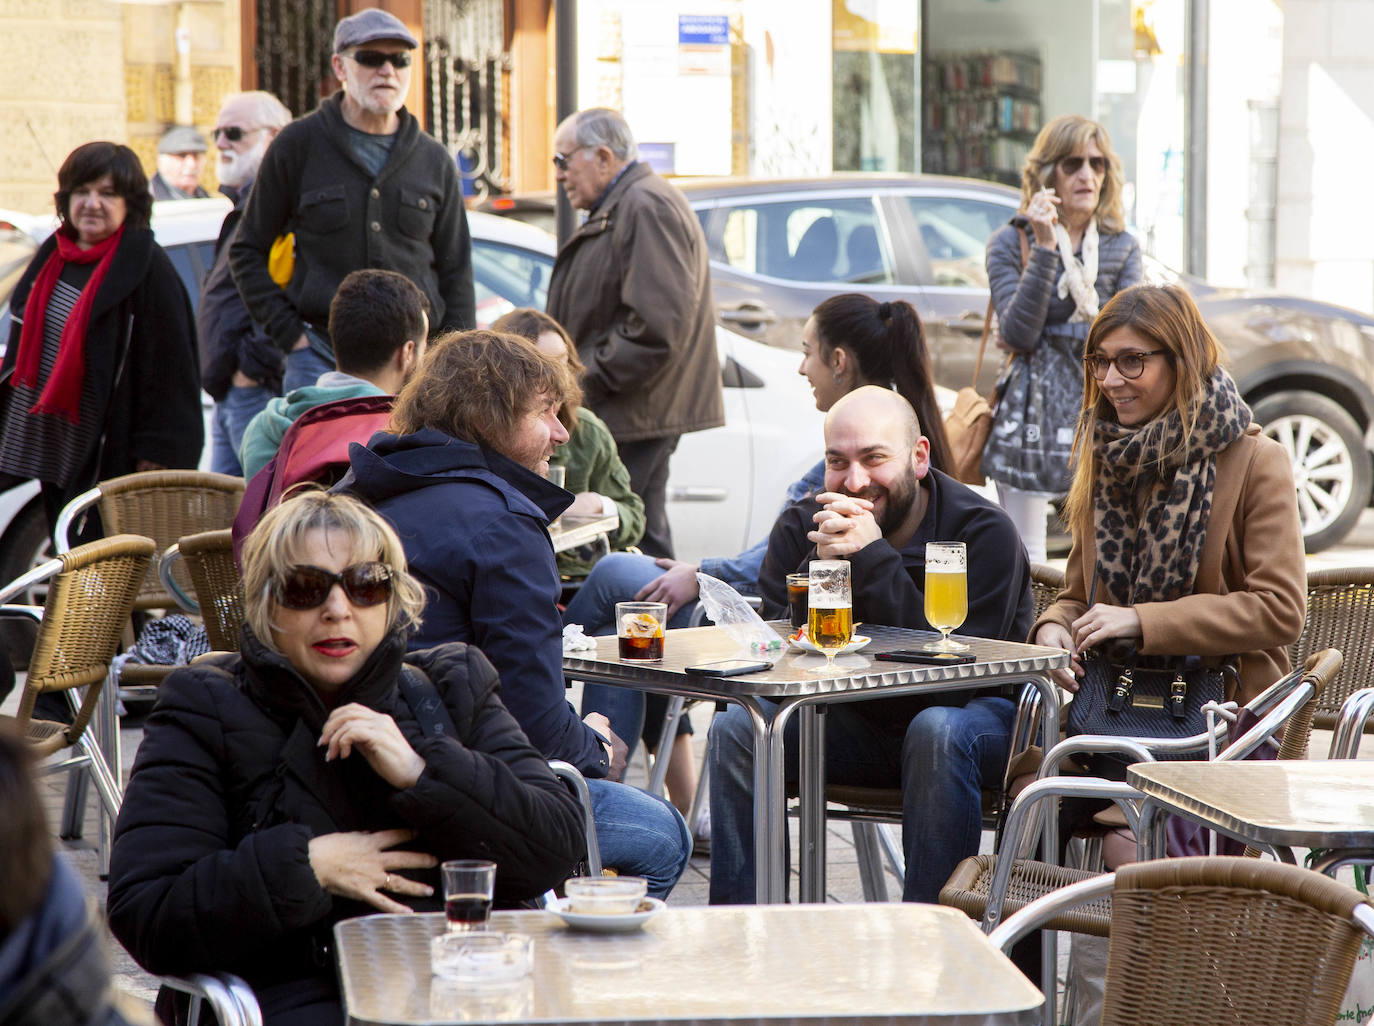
[(1123, 699)]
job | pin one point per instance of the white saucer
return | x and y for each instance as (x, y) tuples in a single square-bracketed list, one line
[(803, 644), (648, 908)]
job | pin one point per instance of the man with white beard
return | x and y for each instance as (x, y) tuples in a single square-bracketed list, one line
[(240, 365)]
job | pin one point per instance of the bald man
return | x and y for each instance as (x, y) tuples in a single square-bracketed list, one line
[(882, 502)]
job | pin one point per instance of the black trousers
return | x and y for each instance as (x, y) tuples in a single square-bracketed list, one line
[(647, 462)]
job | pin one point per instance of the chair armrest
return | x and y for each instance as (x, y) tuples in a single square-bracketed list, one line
[(1043, 909), (68, 515), (25, 581), (571, 776), (230, 998), (1355, 710), (165, 566)]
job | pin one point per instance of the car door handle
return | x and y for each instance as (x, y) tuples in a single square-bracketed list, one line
[(969, 322), (748, 315), (697, 493)]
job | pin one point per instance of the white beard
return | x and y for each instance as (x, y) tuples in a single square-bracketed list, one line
[(236, 168)]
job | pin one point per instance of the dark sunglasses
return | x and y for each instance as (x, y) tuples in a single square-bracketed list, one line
[(1071, 165), (376, 58), (1128, 365), (232, 132), (305, 587), (560, 160)]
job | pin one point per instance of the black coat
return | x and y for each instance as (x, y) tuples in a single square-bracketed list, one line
[(230, 340), (150, 384), (210, 867)]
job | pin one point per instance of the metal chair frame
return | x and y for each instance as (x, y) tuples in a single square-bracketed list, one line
[(230, 998), (1340, 614)]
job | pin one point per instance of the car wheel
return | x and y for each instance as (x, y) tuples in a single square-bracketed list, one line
[(25, 545), (1330, 464)]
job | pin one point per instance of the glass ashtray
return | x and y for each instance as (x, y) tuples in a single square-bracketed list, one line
[(481, 957), (605, 895)]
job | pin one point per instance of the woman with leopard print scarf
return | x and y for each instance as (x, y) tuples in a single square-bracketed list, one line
[(1181, 510)]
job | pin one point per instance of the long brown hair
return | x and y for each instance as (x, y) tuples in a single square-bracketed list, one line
[(1168, 317), (1063, 137), (888, 345)]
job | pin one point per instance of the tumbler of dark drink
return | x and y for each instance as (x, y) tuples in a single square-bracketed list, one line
[(640, 627), (798, 588), (468, 887)]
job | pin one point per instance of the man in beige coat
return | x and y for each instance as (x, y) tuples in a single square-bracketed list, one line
[(633, 289)]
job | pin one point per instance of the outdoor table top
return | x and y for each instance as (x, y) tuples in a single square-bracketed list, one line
[(795, 674), (570, 532), (1294, 803), (815, 964)]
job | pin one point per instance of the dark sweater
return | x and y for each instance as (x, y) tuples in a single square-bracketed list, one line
[(888, 584)]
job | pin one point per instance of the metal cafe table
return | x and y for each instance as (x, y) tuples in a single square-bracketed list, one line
[(1282, 804), (796, 688), (571, 532), (776, 965)]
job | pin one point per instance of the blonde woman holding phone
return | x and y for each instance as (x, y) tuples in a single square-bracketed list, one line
[(1057, 262)]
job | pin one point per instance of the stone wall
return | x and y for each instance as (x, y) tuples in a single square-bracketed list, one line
[(78, 70)]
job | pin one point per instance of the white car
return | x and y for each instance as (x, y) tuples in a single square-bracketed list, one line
[(725, 486)]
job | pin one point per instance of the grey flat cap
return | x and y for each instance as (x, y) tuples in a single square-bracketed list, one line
[(182, 139), (368, 26)]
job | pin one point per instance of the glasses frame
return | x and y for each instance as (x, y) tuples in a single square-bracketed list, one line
[(234, 133), (349, 578), (560, 160), (1096, 361), (1070, 166), (374, 59)]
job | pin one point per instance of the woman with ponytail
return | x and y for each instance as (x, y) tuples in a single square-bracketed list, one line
[(101, 376)]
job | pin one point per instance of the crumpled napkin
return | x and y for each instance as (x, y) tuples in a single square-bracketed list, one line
[(575, 640)]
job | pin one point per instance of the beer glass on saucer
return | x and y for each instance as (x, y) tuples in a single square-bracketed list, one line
[(830, 620), (946, 592)]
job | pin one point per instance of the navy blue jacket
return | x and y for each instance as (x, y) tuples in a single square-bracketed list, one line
[(475, 529)]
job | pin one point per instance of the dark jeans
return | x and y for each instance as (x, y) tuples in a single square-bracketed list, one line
[(647, 462)]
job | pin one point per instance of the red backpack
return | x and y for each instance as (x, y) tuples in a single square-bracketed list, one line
[(314, 448)]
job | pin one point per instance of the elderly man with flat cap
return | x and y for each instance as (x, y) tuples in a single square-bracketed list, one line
[(357, 184), (180, 160)]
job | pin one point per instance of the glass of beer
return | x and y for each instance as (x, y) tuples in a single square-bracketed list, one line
[(946, 592), (830, 620), (640, 627), (797, 587)]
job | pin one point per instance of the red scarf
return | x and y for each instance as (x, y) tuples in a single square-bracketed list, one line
[(61, 396)]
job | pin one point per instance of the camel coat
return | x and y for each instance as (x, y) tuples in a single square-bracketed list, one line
[(1250, 596)]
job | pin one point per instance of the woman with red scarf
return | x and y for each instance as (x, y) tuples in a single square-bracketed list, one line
[(101, 376)]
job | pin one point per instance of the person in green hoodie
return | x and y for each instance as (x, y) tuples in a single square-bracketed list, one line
[(379, 322)]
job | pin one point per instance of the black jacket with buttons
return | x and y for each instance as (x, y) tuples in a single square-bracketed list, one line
[(409, 218), (210, 868)]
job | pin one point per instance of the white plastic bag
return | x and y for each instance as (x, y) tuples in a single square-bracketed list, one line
[(727, 608)]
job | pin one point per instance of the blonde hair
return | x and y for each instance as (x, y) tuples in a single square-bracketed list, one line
[(1168, 317), (1063, 137), (279, 539)]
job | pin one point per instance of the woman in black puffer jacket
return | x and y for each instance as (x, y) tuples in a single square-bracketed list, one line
[(290, 786)]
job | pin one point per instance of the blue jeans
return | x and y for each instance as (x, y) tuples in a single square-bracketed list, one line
[(616, 577), (640, 834), (304, 366), (939, 763), (230, 420)]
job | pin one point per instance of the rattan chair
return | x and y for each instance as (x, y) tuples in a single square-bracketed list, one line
[(1340, 614), (217, 596), (163, 505), (870, 810), (986, 887), (91, 590), (1217, 940)]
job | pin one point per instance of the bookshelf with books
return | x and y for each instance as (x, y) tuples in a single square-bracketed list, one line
[(980, 112)]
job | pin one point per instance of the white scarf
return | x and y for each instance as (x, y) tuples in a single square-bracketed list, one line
[(1079, 279)]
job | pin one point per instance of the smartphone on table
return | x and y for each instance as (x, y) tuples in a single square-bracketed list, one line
[(914, 655), (729, 667)]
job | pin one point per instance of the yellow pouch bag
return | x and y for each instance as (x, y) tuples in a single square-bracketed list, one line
[(281, 260)]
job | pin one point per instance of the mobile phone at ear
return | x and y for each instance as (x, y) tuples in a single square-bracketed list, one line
[(912, 655), (728, 668)]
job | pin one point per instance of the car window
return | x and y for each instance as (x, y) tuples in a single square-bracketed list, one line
[(506, 277), (830, 240), (955, 231)]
